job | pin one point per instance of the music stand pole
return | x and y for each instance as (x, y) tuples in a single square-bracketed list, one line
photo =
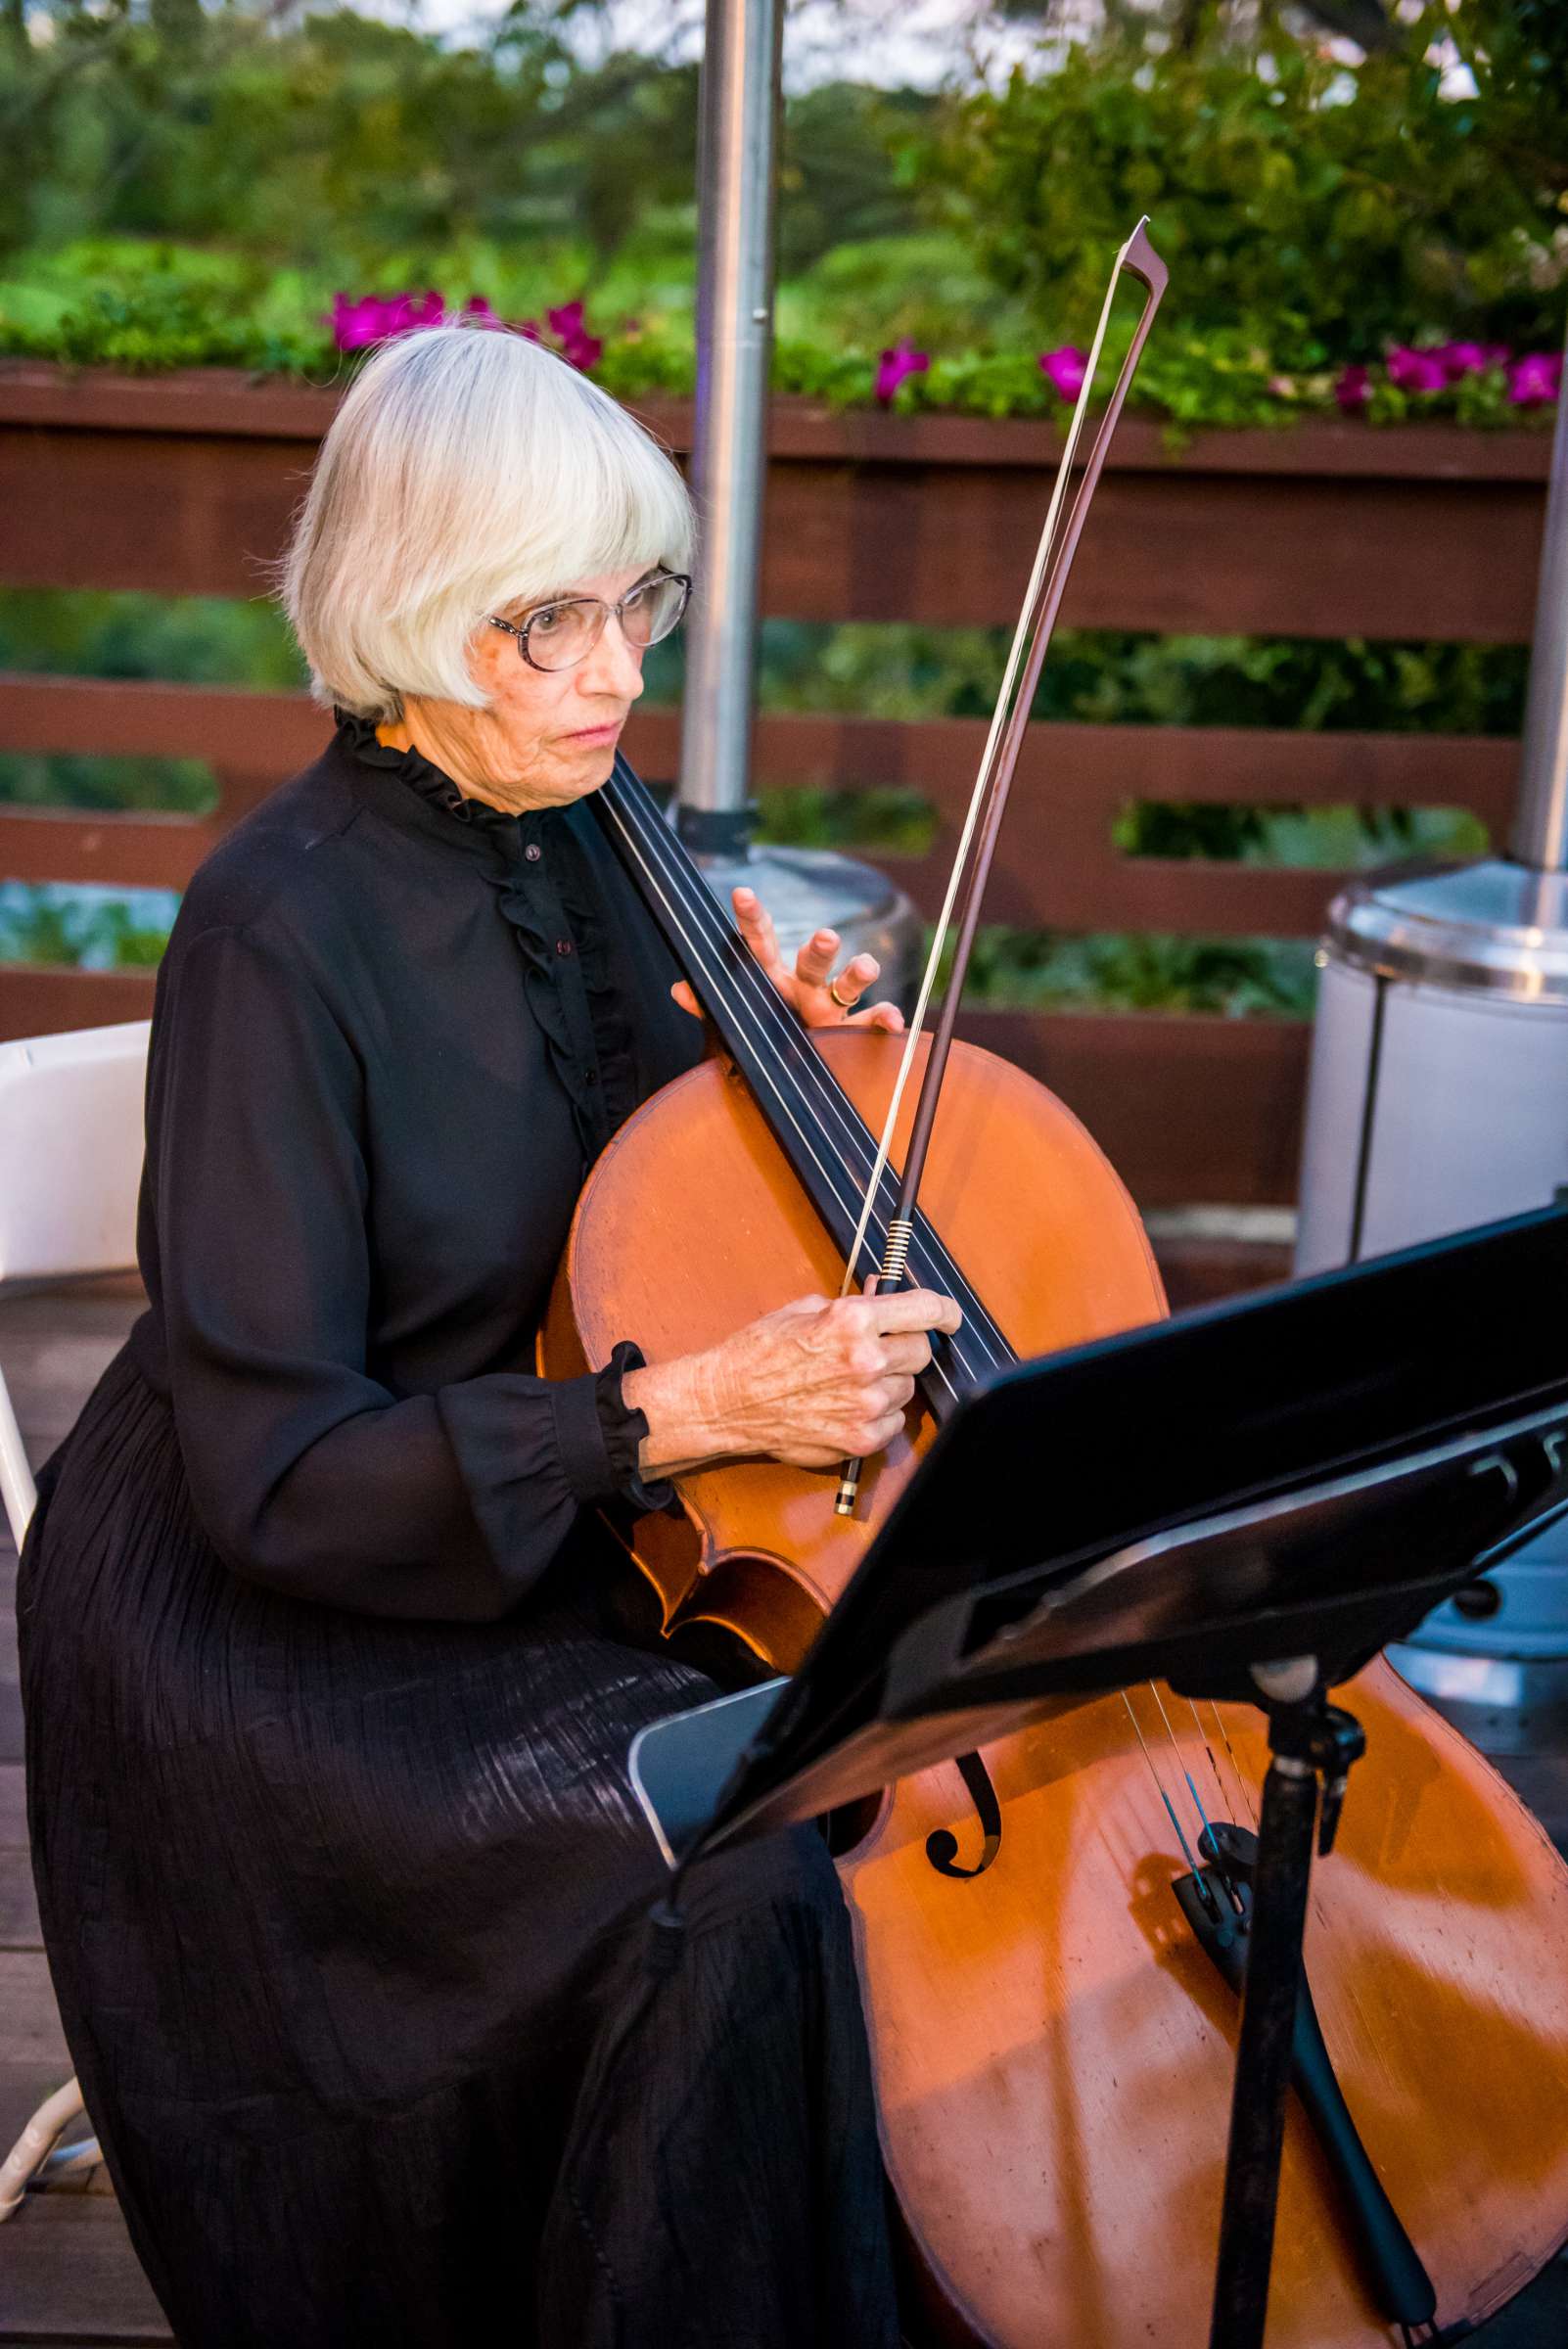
[(1308, 1741)]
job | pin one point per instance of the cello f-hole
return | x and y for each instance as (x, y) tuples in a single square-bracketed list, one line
[(941, 1846)]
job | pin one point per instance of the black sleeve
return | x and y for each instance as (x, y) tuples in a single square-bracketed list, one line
[(307, 1473)]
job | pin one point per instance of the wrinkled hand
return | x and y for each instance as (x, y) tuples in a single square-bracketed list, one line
[(807, 988), (815, 1383)]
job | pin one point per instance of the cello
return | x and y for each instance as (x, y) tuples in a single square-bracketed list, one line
[(1051, 2049)]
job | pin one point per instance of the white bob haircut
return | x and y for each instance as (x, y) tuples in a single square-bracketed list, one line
[(466, 471)]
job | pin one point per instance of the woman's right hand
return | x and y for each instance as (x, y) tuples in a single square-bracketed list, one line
[(815, 1383)]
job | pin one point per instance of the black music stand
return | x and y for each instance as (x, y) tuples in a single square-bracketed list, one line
[(1398, 1427)]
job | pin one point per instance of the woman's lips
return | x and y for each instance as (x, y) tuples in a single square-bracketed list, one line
[(589, 735)]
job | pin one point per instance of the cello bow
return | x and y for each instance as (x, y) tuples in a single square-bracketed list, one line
[(988, 804)]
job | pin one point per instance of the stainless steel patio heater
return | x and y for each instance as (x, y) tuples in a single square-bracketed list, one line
[(803, 889), (1439, 1098)]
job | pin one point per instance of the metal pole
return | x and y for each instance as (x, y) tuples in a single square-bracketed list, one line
[(740, 96), (1541, 824)]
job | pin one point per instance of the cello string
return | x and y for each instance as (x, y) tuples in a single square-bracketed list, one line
[(1249, 1793), (707, 933), (708, 928), (1208, 1750), (1164, 1794), (1214, 1758), (1176, 1746), (1159, 1783), (1216, 1854), (762, 1007), (828, 1171)]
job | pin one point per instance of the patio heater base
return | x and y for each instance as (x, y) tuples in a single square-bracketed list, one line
[(1439, 1098)]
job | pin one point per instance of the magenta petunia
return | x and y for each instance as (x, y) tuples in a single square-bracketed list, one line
[(481, 312), (1470, 358), (1534, 381), (1416, 370), (358, 323), (1065, 369), (578, 347), (897, 366), (1353, 388)]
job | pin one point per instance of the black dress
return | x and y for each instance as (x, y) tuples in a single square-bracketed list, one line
[(327, 1696)]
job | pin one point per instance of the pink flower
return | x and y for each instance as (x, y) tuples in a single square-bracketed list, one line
[(377, 317), (1418, 371), (1065, 369), (578, 347), (1470, 358), (897, 365), (480, 311), (1282, 387), (1353, 389), (1534, 381), (356, 325)]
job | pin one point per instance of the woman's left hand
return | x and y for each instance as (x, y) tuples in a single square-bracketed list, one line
[(811, 988)]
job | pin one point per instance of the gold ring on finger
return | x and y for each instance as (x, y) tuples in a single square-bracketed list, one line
[(843, 1002)]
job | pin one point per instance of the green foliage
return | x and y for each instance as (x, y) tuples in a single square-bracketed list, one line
[(1317, 211), (187, 639), (63, 779), (191, 185), (197, 640), (1107, 676), (897, 823), (838, 184), (340, 134), (145, 309), (163, 323), (83, 927), (1334, 837), (1110, 971), (343, 144)]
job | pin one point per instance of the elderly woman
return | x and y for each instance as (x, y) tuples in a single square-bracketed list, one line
[(328, 1689)]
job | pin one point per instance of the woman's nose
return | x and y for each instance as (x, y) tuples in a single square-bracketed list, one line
[(614, 666)]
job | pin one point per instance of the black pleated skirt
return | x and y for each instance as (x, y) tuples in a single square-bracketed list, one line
[(348, 1920)]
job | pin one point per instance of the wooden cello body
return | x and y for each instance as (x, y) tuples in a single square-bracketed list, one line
[(1054, 2052)]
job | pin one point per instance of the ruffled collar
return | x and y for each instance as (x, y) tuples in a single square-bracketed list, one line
[(422, 775)]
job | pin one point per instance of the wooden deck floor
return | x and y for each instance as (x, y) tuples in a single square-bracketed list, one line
[(69, 2277), (67, 2274)]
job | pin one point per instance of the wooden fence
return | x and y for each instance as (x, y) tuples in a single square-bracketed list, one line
[(184, 485)]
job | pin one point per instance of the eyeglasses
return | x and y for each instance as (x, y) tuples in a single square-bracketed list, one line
[(560, 636)]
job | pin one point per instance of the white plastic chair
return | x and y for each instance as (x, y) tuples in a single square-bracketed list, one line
[(71, 1159)]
